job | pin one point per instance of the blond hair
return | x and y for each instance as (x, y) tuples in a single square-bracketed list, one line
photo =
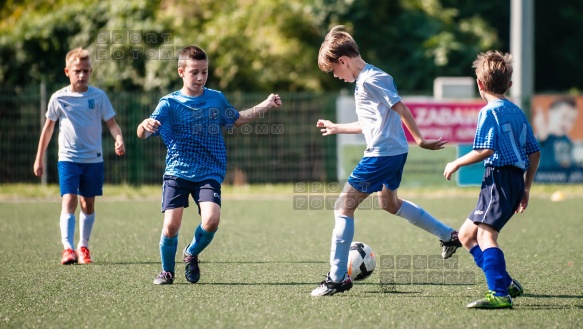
[(494, 70), (336, 44), (77, 54)]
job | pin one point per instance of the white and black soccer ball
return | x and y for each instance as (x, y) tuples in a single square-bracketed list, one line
[(361, 261)]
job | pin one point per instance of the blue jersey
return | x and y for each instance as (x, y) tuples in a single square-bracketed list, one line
[(191, 128), (503, 127)]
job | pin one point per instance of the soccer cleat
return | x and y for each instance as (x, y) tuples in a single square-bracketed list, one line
[(329, 287), (515, 289), (492, 301), (448, 248), (191, 271), (164, 278), (84, 256), (69, 257)]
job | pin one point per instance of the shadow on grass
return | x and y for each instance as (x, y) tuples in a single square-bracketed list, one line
[(207, 262), (250, 283), (525, 302), (553, 296)]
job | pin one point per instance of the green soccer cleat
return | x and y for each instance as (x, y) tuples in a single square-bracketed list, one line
[(515, 289), (492, 301)]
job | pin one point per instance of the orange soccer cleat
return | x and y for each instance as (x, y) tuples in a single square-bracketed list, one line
[(69, 257), (84, 256)]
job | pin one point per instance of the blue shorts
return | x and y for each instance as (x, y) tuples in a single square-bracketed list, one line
[(500, 195), (175, 192), (371, 173), (85, 179)]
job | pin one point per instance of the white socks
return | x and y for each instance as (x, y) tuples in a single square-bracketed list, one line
[(422, 219)]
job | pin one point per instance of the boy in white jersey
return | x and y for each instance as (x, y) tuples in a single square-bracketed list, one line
[(79, 108), (380, 114), (190, 123)]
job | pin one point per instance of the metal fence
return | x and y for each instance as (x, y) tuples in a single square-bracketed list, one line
[(282, 146)]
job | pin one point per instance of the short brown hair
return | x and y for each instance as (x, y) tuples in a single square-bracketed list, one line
[(191, 53), (77, 54), (494, 70), (336, 44)]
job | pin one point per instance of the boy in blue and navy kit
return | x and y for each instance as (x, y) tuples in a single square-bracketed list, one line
[(190, 122), (505, 142)]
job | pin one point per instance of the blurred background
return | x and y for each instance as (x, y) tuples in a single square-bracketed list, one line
[(259, 47)]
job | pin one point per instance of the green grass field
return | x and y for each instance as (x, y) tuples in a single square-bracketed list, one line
[(268, 256)]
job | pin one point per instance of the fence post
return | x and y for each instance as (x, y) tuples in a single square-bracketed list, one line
[(43, 111)]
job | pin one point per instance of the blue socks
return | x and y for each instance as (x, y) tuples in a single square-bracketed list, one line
[(422, 219), (201, 240), (479, 260), (342, 236), (168, 248), (494, 266)]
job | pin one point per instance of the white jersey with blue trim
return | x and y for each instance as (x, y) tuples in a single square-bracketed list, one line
[(375, 94), (80, 115)]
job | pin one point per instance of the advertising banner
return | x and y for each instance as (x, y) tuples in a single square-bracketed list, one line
[(453, 121), (558, 126)]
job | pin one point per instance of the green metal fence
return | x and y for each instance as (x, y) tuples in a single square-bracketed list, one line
[(282, 146)]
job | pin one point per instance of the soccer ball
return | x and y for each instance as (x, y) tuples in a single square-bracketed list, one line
[(361, 261)]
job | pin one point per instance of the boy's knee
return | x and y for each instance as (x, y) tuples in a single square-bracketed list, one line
[(468, 239), (211, 224), (390, 206)]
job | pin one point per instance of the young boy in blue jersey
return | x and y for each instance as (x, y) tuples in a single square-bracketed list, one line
[(79, 108), (505, 142), (380, 117), (190, 123)]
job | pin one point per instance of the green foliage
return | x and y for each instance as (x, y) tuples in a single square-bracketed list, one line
[(272, 45)]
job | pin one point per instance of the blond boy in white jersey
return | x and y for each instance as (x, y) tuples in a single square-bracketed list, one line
[(79, 108)]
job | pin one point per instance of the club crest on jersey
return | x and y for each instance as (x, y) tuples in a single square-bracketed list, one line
[(214, 114), (91, 103)]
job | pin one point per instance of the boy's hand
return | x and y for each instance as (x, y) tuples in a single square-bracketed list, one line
[(120, 148), (151, 125), (524, 202), (39, 167), (328, 127), (432, 144), (274, 100), (450, 168)]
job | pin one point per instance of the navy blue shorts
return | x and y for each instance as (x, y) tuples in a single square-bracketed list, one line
[(85, 179), (500, 195), (175, 192), (371, 173)]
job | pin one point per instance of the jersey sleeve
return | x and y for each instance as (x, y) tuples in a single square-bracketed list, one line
[(229, 115), (53, 112), (486, 137), (161, 113), (107, 111), (532, 145), (384, 89)]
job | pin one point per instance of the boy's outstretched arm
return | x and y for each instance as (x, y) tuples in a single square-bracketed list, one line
[(470, 158), (409, 120), (249, 115), (115, 131), (533, 159), (330, 128)]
